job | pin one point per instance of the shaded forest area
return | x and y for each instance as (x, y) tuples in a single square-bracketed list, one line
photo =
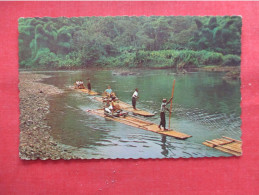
[(133, 42)]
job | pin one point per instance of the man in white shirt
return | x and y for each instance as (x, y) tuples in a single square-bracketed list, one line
[(134, 99)]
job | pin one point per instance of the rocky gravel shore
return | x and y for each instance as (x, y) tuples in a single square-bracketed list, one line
[(35, 139)]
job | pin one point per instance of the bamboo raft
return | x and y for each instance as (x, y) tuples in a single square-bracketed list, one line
[(127, 107), (88, 92), (226, 144), (141, 124), (84, 90)]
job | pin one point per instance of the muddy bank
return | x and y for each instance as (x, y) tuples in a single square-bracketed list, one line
[(35, 139), (231, 72), (220, 68)]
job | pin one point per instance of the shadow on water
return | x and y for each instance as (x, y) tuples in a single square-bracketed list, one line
[(204, 106)]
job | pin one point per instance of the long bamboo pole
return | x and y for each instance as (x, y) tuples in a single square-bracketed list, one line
[(171, 105)]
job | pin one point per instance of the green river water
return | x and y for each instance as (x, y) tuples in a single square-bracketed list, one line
[(205, 106)]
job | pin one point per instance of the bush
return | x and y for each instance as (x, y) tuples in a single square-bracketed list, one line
[(211, 58), (178, 58), (142, 59), (124, 60), (70, 60), (45, 58), (231, 60)]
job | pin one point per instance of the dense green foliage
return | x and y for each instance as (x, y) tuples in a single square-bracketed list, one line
[(156, 41)]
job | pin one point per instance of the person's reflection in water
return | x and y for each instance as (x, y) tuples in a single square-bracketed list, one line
[(163, 145)]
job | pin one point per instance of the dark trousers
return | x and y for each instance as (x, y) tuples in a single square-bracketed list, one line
[(89, 86), (162, 117), (134, 101)]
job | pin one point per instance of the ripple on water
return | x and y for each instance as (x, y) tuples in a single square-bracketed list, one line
[(130, 145), (124, 141)]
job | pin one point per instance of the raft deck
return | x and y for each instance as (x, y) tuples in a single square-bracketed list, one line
[(141, 124), (88, 92), (127, 107), (226, 144)]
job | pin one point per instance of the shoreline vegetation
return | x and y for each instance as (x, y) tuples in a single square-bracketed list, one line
[(179, 42), (35, 139)]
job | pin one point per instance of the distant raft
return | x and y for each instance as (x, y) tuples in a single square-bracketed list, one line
[(84, 90), (141, 124), (226, 144), (89, 92), (127, 107)]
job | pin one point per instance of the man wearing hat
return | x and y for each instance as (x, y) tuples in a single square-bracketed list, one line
[(162, 113)]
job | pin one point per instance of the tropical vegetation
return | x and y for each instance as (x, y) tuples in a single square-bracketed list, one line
[(137, 42)]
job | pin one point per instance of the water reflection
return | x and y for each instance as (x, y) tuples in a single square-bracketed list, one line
[(163, 146)]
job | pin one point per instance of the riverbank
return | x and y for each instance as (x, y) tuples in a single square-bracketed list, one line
[(119, 70), (231, 72), (35, 139), (220, 68)]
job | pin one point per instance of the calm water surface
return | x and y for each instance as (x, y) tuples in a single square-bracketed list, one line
[(205, 106)]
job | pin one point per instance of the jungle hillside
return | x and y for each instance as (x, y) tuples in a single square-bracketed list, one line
[(129, 42)]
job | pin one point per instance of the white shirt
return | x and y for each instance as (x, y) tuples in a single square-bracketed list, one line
[(135, 94), (163, 107)]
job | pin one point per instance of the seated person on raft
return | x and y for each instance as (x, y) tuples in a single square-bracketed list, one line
[(115, 105), (108, 109), (110, 98), (108, 92), (76, 84), (79, 85), (113, 109)]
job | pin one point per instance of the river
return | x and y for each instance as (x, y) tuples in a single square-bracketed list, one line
[(204, 106)]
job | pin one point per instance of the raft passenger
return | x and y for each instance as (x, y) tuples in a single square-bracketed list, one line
[(108, 108), (77, 85), (108, 91), (115, 105)]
